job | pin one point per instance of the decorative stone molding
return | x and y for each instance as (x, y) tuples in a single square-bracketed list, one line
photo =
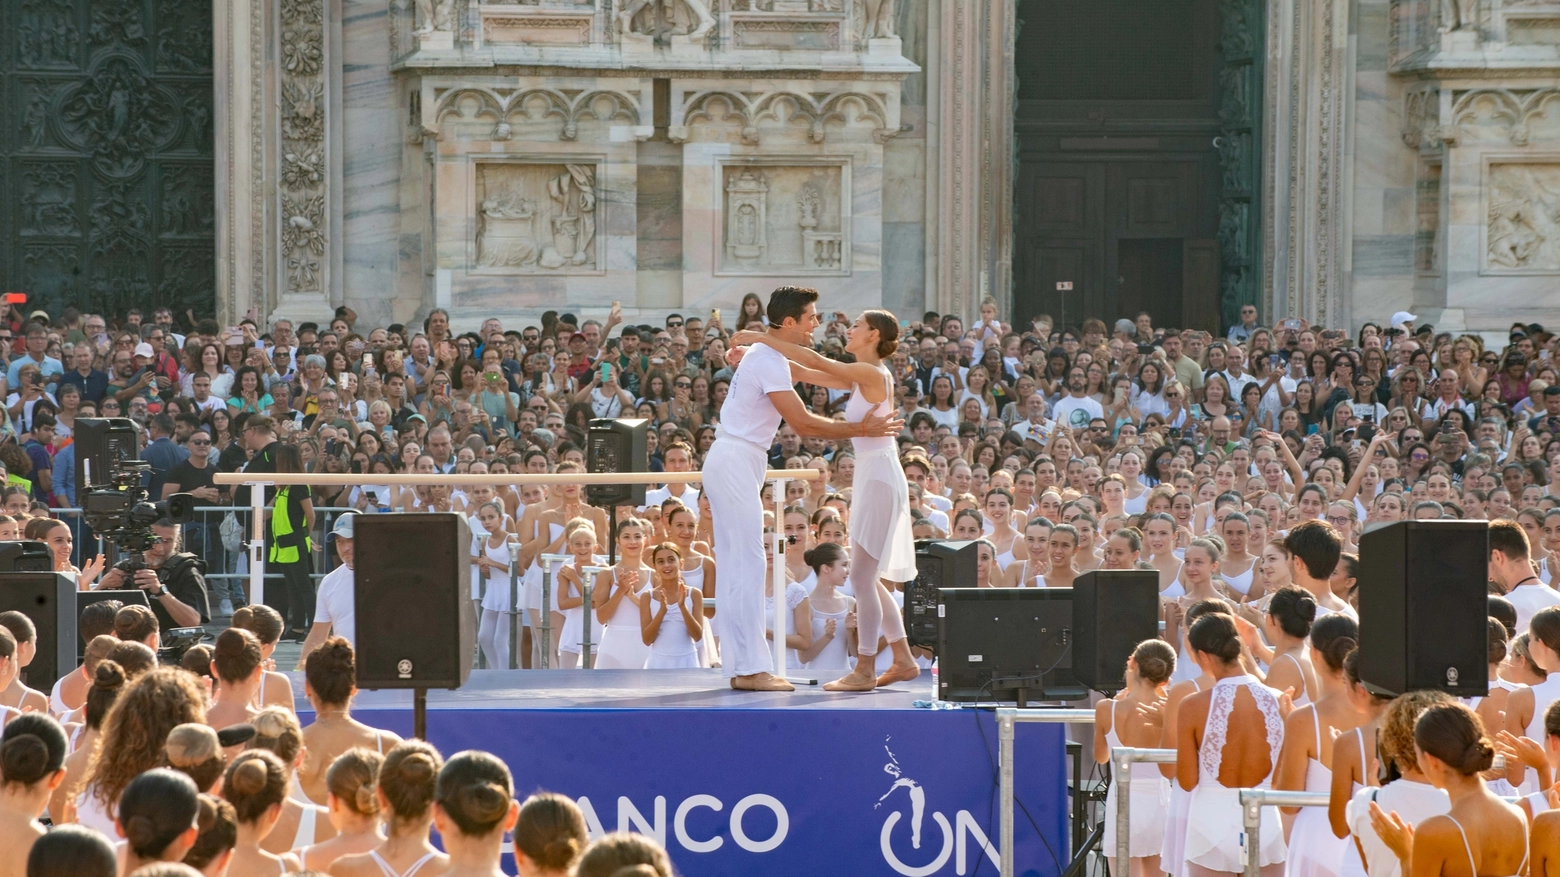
[(303, 153), (786, 218), (506, 105)]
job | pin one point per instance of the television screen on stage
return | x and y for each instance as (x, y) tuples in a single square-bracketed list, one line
[(1006, 645)]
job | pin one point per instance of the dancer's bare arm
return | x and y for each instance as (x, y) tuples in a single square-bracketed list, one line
[(861, 373), (809, 424)]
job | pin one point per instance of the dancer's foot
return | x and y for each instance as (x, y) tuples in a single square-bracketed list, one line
[(761, 682), (859, 679), (899, 671)]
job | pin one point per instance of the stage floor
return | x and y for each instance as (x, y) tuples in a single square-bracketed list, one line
[(631, 689)]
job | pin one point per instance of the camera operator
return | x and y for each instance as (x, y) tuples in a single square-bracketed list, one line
[(172, 580)]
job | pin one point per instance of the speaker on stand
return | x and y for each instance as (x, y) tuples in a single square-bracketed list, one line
[(1113, 611), (614, 446)]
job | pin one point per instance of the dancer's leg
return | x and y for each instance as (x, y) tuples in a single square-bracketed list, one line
[(734, 478)]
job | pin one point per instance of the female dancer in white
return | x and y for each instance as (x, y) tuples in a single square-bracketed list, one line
[(580, 537), (833, 638), (617, 598), (881, 543), (671, 617), (1172, 855), (1525, 707), (1228, 739), (1134, 718), (492, 554)]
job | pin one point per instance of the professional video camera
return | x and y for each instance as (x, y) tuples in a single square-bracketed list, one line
[(114, 498)]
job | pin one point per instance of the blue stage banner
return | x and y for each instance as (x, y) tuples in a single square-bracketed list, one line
[(783, 792)]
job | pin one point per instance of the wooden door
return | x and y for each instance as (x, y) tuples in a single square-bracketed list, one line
[(1060, 221), (1200, 283)]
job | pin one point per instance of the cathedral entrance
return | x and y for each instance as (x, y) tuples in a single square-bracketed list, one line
[(1136, 130)]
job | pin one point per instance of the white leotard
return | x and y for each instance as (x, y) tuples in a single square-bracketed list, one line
[(384, 867), (1240, 582), (1472, 865)]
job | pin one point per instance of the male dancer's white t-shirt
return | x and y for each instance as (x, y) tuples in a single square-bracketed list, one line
[(747, 413)]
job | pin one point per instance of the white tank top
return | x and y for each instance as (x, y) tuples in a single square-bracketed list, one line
[(857, 409), (1240, 582), (1544, 694)]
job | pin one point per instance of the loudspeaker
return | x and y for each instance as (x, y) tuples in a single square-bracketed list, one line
[(26, 557), (1113, 611), (1423, 609), (617, 446), (938, 564), (413, 583), (49, 599), (100, 443)]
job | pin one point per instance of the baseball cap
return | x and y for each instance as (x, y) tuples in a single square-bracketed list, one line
[(579, 335), (144, 349), (39, 315), (344, 525), (1402, 317)]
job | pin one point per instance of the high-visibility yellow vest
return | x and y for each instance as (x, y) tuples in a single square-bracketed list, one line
[(282, 526)]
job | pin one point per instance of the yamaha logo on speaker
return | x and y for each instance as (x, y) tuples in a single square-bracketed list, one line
[(1451, 675), (403, 668)]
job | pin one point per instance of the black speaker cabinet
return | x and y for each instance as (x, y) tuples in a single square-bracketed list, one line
[(938, 564), (49, 599), (26, 557), (100, 442), (617, 446), (413, 583), (1423, 608), (1113, 611)]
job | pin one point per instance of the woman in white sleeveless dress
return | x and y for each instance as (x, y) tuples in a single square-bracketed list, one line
[(1134, 718), (1229, 739), (617, 604), (698, 571), (1030, 572), (671, 617), (1239, 567), (580, 537), (1354, 763), (1407, 792), (1172, 854), (833, 640), (881, 544), (1525, 707), (493, 555)]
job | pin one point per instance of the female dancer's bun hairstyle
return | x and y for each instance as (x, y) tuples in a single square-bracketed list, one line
[(408, 779), (1545, 627), (331, 671), (822, 555), (256, 781), (620, 851), (1155, 660), (198, 660), (261, 620), (1204, 607), (887, 328), (156, 808), (352, 778), (33, 748), (551, 831), (475, 791), (72, 851), (236, 655), (1498, 638), (1454, 734), (1294, 609), (135, 658), (1216, 635), (1334, 637), (277, 730), (107, 681), (218, 826), (195, 751)]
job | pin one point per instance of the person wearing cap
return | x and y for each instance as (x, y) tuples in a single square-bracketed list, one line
[(335, 602), (579, 356), (1405, 321), (174, 580), (37, 343)]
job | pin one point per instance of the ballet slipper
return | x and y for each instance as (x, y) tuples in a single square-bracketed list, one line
[(761, 682), (898, 672), (853, 681)]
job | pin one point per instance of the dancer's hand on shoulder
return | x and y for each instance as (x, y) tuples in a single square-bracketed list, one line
[(747, 337)]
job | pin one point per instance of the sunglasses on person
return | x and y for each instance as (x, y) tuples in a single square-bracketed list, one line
[(200, 442), (676, 325)]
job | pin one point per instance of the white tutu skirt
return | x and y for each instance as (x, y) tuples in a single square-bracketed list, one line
[(687, 661), (1172, 855), (1314, 851), (1150, 803), (880, 514), (1214, 826)]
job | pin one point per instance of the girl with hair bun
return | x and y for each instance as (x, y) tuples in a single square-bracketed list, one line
[(301, 823), (239, 668), (474, 806), (157, 818), (833, 613), (1309, 732), (617, 598), (218, 833), (1525, 707), (32, 766), (72, 851), (1480, 829), (492, 555), (267, 626), (407, 782), (354, 809), (1228, 738), (623, 853), (1354, 761), (550, 836), (1135, 718), (1172, 853), (579, 539), (1196, 579), (1286, 624), (1404, 790), (108, 679), (256, 786), (672, 634), (330, 682)]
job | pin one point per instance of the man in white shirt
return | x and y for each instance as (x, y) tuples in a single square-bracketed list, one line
[(1450, 398), (761, 394), (1036, 426), (335, 606), (677, 457), (1234, 372), (201, 383), (1512, 572), (1076, 409)]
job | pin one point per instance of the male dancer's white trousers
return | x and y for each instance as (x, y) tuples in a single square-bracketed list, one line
[(734, 481)]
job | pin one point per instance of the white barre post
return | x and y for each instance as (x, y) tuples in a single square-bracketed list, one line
[(1122, 758), (1251, 803), (516, 613), (257, 543), (777, 578), (1007, 717), (549, 564)]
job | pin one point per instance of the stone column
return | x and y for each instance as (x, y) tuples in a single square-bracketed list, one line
[(239, 33), (970, 183)]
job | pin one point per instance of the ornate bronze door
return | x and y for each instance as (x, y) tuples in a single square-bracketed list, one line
[(106, 166)]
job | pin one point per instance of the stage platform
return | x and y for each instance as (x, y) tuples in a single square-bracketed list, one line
[(746, 783)]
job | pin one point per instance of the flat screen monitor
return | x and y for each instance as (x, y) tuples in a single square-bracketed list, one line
[(1006, 645)]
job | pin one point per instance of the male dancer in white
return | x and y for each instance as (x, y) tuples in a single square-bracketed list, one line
[(760, 395)]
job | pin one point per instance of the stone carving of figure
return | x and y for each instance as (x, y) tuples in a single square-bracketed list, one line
[(699, 8), (37, 117), (1459, 15), (435, 15), (507, 238), (1512, 236), (880, 19), (574, 194)]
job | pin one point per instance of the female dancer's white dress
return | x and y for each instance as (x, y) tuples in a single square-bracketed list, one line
[(1353, 866), (1314, 851), (1413, 801), (1172, 855), (1150, 793), (622, 642), (794, 595), (496, 597), (673, 649), (1544, 694), (833, 656), (533, 583), (694, 578), (880, 498), (572, 638), (1214, 821)]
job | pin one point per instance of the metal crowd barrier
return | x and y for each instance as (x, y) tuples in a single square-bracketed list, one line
[(1007, 718), (1121, 759), (1251, 803)]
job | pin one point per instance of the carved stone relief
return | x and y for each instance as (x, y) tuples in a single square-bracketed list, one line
[(304, 235), (784, 218), (641, 19), (48, 196), (537, 218), (1422, 117), (1523, 231), (46, 34), (1506, 115), (119, 115)]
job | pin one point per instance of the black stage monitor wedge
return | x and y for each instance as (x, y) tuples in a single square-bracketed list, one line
[(100, 442), (1113, 611), (26, 557), (49, 599), (1006, 644), (938, 564), (1423, 625), (617, 446), (413, 582)]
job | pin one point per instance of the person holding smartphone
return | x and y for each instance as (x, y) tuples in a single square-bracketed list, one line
[(607, 398)]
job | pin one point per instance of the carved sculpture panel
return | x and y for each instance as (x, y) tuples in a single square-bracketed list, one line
[(784, 218), (1523, 218), (302, 193), (537, 218)]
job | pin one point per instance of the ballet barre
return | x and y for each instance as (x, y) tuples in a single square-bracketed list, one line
[(1007, 719), (1121, 759), (1251, 803)]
